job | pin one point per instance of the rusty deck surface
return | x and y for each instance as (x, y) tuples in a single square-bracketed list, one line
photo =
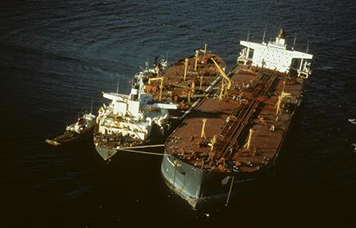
[(251, 103), (186, 92)]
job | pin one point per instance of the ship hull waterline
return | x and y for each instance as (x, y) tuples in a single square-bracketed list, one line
[(201, 188)]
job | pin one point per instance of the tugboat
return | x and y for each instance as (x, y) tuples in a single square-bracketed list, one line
[(236, 133), (80, 130), (130, 120)]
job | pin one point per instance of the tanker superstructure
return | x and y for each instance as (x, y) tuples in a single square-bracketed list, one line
[(235, 134)]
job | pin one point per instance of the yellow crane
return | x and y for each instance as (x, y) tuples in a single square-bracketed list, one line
[(203, 135), (160, 87), (205, 51), (191, 91), (248, 143), (223, 74), (185, 68), (281, 97), (196, 59)]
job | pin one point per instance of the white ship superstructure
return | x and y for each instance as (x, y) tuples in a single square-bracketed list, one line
[(274, 55), (130, 120), (83, 123)]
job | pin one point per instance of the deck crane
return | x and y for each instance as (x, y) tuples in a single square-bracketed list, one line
[(205, 51), (160, 86), (227, 79)]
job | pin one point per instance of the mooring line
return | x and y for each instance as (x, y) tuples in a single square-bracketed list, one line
[(230, 190), (139, 147), (143, 152)]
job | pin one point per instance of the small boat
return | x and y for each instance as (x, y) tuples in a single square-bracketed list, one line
[(82, 129)]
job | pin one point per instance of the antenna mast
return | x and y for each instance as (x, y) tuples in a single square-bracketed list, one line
[(167, 58), (295, 38)]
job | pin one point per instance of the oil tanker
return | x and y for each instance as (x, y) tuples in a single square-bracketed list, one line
[(235, 134)]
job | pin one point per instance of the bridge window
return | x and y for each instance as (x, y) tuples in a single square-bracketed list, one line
[(250, 55)]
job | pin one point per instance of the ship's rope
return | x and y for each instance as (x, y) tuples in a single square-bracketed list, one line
[(143, 152), (230, 190), (139, 147)]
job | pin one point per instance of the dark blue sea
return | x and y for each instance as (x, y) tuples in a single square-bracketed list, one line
[(56, 56)]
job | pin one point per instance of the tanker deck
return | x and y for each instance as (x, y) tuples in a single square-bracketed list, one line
[(236, 133)]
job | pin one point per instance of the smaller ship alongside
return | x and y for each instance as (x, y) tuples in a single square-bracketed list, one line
[(160, 97), (75, 132), (130, 120)]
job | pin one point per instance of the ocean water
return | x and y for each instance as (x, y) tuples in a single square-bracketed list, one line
[(55, 56)]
